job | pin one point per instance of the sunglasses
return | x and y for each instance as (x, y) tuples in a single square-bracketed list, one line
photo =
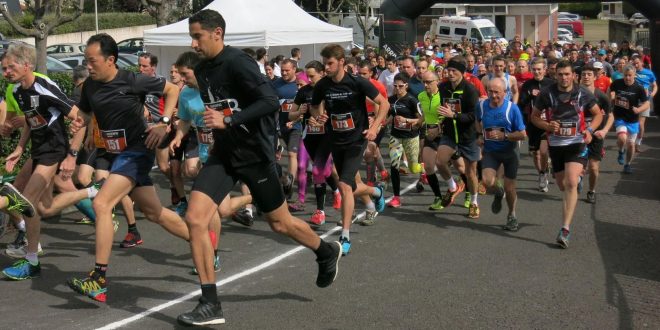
[(400, 86)]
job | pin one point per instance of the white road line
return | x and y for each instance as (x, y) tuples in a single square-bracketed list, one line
[(273, 261)]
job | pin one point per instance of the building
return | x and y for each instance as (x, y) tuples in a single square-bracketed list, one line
[(612, 10)]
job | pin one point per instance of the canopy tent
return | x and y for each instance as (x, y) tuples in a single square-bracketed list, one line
[(277, 25)]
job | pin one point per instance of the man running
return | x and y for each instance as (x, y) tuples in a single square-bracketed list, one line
[(230, 80), (565, 104)]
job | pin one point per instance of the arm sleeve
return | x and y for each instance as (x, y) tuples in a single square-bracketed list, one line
[(184, 110), (246, 73)]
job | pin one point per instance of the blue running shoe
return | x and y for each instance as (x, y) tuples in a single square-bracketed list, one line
[(379, 201), (345, 245), (621, 158), (22, 270), (181, 208)]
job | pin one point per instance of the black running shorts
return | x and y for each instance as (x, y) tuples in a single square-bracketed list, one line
[(347, 159)]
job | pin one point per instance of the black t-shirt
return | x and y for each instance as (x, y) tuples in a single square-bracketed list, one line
[(604, 104), (234, 75), (118, 108), (529, 91), (625, 98), (463, 100), (406, 107), (345, 104), (45, 107), (304, 96)]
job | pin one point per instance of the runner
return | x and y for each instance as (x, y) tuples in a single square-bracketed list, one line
[(339, 102), (500, 126), (565, 104), (228, 80), (429, 102), (629, 99), (646, 78), (498, 65), (116, 99)]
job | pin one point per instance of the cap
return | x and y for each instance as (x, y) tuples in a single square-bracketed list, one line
[(524, 57), (602, 52), (429, 52), (598, 65), (453, 51)]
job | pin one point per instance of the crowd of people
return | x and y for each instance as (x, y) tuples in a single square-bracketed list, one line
[(455, 113)]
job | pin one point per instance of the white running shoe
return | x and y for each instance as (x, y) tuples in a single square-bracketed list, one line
[(22, 251)]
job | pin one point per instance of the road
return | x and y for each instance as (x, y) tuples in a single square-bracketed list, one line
[(415, 269)]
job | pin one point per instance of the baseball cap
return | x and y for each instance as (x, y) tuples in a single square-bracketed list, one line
[(598, 65), (602, 52)]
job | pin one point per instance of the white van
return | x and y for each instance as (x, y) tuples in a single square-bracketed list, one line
[(454, 28)]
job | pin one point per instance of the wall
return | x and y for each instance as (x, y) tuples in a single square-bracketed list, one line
[(81, 37)]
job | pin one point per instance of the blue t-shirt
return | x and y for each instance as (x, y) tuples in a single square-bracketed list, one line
[(286, 92), (506, 117), (191, 109), (616, 75), (646, 78)]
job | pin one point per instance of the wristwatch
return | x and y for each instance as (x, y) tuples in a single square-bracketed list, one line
[(227, 120), (165, 120), (73, 153)]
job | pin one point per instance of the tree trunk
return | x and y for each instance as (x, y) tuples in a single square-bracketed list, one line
[(40, 45)]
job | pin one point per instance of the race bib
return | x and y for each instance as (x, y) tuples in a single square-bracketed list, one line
[(314, 130), (402, 124), (622, 102), (342, 122), (35, 119), (227, 106), (567, 128), (286, 106), (204, 135), (114, 140), (453, 104), (494, 133)]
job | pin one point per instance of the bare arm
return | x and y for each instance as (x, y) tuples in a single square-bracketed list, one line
[(514, 89)]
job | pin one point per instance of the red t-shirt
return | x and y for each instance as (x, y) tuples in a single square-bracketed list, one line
[(521, 78), (476, 83), (603, 83), (381, 89)]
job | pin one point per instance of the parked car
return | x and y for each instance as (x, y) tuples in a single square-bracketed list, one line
[(568, 27), (79, 59), (639, 20), (132, 59), (565, 33), (562, 15), (131, 46), (578, 27), (54, 65), (65, 50)]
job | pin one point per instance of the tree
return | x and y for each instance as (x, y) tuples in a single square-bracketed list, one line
[(362, 10), (43, 25), (326, 8), (167, 11)]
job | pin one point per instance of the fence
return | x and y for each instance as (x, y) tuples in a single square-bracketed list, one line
[(642, 38)]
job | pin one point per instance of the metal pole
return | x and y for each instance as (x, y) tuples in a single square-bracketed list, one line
[(96, 15)]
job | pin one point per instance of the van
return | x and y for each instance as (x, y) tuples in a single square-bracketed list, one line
[(454, 28)]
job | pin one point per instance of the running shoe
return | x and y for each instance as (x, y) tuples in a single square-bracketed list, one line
[(395, 202), (216, 266), (345, 245), (384, 175), (131, 240), (424, 178), (621, 159), (298, 206), (437, 204), (85, 221), (16, 202), (450, 196), (496, 207), (329, 267), (181, 208), (627, 169), (580, 185), (336, 202), (318, 218), (244, 217), (466, 203), (205, 313), (19, 241), (22, 251), (379, 201), (511, 223), (93, 286), (591, 197), (419, 186), (563, 237), (481, 189), (543, 182), (473, 212), (369, 220), (22, 270)]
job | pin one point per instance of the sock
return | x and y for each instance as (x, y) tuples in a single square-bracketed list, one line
[(435, 185), (21, 225), (473, 198), (100, 269), (183, 199), (324, 251), (85, 207), (512, 213), (133, 228), (396, 181), (371, 206), (331, 183), (319, 191), (371, 172), (210, 293), (91, 192), (32, 258), (451, 183), (380, 164), (346, 234)]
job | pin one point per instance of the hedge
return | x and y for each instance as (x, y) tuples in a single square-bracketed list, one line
[(84, 23)]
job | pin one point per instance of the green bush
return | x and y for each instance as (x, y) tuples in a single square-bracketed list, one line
[(84, 23)]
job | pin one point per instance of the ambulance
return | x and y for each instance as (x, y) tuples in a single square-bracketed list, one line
[(454, 28)]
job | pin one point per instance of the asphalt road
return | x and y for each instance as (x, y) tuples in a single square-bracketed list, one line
[(415, 269)]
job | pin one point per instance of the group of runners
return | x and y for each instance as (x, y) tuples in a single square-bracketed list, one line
[(331, 115)]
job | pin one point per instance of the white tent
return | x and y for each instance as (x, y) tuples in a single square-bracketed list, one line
[(277, 25)]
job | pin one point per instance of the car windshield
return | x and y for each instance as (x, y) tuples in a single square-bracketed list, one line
[(490, 32)]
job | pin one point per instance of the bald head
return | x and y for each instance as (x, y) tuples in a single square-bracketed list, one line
[(496, 91), (430, 80)]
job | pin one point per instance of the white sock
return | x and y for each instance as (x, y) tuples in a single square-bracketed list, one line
[(451, 183), (91, 192), (32, 258), (473, 199), (371, 206), (346, 234), (21, 225), (638, 142)]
